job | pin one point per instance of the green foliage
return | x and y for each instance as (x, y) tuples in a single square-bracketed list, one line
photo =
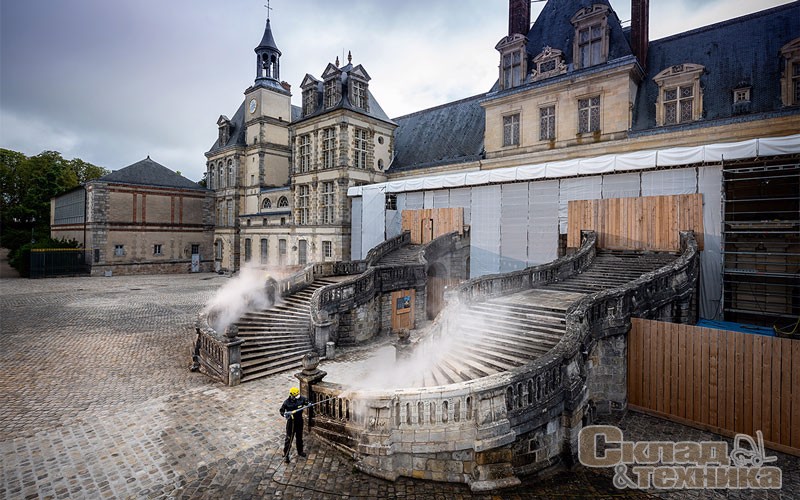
[(26, 186), (20, 259)]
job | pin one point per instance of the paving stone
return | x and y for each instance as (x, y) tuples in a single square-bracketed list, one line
[(98, 402)]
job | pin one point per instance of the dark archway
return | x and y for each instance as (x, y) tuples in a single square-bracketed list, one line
[(436, 283)]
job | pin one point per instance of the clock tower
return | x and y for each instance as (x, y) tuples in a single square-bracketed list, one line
[(268, 112)]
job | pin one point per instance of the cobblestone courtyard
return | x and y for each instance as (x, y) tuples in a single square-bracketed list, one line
[(98, 402)]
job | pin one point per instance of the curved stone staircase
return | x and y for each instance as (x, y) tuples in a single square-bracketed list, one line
[(506, 332), (276, 339)]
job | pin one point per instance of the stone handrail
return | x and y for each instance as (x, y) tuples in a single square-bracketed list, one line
[(501, 284), (490, 412), (386, 247), (217, 355)]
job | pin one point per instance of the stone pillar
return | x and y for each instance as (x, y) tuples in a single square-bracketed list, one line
[(310, 375), (233, 356)]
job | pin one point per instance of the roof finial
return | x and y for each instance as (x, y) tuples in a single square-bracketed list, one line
[(337, 61), (349, 57), (268, 9)]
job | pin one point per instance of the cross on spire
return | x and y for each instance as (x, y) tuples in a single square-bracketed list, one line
[(268, 9)]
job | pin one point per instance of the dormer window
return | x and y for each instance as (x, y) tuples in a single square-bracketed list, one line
[(309, 101), (513, 60), (590, 46), (680, 98), (790, 83), (332, 92), (550, 62), (741, 99), (358, 94), (741, 95), (224, 125)]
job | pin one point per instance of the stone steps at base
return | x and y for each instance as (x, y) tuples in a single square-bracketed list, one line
[(289, 364)]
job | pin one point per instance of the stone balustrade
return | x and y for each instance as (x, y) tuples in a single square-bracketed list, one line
[(485, 431)]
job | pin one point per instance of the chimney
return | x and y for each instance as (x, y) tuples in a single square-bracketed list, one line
[(519, 17), (286, 86), (640, 29)]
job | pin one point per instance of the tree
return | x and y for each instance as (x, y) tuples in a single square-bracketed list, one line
[(27, 185)]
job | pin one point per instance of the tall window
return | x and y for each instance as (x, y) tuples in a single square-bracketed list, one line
[(282, 251), (589, 115), (790, 82), (248, 249), (360, 148), (157, 249), (328, 147), (231, 214), (331, 94), (359, 94), (547, 123), (302, 204), (304, 153), (264, 250), (283, 202), (221, 214), (590, 45), (327, 202), (327, 249), (511, 130), (796, 82), (231, 174), (678, 104), (220, 176), (309, 101), (512, 69), (119, 250), (211, 177)]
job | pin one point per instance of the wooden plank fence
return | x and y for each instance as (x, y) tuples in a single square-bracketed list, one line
[(644, 223), (722, 381), (428, 224)]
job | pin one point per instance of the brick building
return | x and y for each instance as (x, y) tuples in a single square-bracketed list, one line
[(141, 219)]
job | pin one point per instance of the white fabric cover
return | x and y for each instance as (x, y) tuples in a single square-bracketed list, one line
[(710, 185), (779, 145), (503, 175), (621, 185), (393, 187), (414, 201), (434, 182), (454, 180), (373, 220), (462, 197), (679, 156), (476, 178), (441, 198), (485, 234), (669, 182), (531, 172), (413, 184), (542, 222), (636, 161), (584, 188), (427, 197), (731, 151), (562, 169), (597, 165), (514, 227), (354, 191), (355, 240)]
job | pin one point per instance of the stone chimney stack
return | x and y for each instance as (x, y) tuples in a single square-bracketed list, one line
[(640, 29), (519, 17)]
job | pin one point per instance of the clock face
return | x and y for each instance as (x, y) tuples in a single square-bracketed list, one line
[(253, 105)]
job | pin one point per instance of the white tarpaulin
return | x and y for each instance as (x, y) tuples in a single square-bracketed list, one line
[(414, 201), (514, 227), (668, 182), (503, 175), (476, 178), (394, 223), (441, 198), (427, 198), (454, 180), (584, 188), (531, 172), (373, 220), (462, 198), (542, 222), (393, 187), (731, 151), (679, 156), (621, 185), (596, 165), (710, 185), (485, 234), (355, 240), (779, 145), (562, 169), (636, 161)]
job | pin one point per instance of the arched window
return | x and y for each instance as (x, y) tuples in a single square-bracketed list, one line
[(220, 175), (231, 175), (266, 204), (283, 202), (210, 177)]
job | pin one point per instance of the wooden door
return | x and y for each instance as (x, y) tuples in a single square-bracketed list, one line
[(403, 309)]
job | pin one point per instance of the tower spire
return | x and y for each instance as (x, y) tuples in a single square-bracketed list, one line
[(267, 54), (268, 9)]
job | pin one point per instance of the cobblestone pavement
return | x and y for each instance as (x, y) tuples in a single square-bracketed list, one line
[(98, 402)]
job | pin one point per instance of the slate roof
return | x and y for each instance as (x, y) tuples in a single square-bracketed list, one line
[(742, 50), (267, 41), (447, 134), (237, 132), (375, 110), (150, 173), (553, 28)]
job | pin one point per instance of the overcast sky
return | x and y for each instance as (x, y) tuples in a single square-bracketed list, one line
[(112, 81)]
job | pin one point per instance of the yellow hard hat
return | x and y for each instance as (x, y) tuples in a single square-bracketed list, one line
[(294, 391)]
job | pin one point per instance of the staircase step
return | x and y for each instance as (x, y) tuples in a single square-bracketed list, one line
[(283, 355), (266, 371)]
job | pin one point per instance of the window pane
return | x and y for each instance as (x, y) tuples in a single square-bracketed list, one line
[(597, 32), (687, 91), (584, 35), (670, 94), (595, 125), (670, 113), (686, 110)]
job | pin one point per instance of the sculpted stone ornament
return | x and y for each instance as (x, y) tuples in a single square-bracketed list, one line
[(232, 331), (310, 362)]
